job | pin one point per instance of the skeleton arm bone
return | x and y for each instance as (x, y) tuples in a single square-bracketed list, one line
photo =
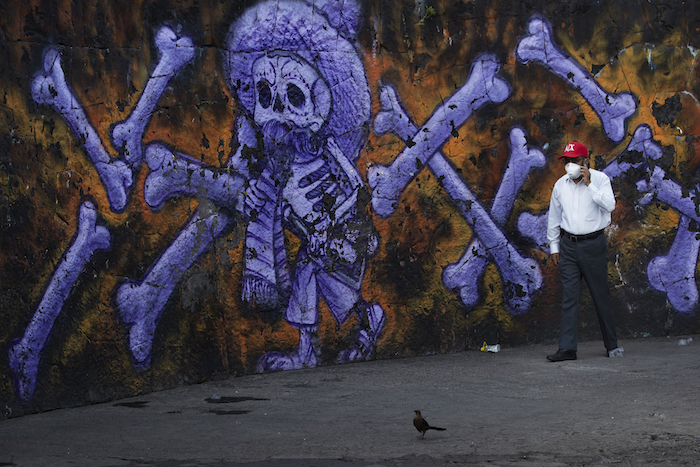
[(177, 174)]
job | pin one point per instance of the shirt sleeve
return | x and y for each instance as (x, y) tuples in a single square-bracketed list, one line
[(602, 193), (554, 221)]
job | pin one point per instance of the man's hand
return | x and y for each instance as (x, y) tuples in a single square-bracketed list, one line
[(586, 173), (555, 258)]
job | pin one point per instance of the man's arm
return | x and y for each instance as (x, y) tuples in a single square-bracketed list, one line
[(601, 191)]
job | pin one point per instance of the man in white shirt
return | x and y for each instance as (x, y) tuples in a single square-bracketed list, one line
[(579, 211)]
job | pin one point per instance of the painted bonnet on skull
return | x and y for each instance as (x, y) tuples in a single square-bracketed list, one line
[(322, 33)]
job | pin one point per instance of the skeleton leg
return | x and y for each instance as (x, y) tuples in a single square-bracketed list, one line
[(612, 109), (371, 319), (50, 88), (25, 353), (302, 313), (175, 53), (141, 304), (483, 86), (339, 291)]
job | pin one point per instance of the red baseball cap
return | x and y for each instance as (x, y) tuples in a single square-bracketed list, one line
[(575, 149)]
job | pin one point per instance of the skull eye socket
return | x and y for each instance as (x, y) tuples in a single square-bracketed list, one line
[(295, 95), (264, 94)]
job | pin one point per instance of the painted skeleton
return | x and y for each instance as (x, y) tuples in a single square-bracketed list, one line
[(312, 191), (294, 169), (311, 105)]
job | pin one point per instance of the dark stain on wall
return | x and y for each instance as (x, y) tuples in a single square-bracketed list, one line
[(666, 114)]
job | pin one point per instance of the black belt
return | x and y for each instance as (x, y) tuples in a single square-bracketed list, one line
[(578, 238)]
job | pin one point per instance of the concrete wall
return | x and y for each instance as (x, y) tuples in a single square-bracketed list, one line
[(155, 231)]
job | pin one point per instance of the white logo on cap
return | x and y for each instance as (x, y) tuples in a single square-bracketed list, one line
[(569, 147)]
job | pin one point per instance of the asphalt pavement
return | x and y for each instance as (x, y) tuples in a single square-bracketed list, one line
[(511, 408)]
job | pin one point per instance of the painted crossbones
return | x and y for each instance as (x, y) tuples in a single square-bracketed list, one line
[(25, 353), (50, 88), (612, 109), (521, 275), (464, 275), (482, 87)]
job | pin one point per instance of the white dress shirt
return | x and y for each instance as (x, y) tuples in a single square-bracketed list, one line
[(579, 209)]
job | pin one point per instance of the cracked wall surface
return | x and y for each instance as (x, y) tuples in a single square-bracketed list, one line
[(195, 190)]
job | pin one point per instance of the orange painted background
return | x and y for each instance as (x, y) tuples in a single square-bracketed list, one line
[(425, 50)]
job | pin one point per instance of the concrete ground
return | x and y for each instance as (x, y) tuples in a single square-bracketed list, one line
[(512, 408)]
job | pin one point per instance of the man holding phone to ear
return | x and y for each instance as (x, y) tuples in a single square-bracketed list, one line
[(579, 212)]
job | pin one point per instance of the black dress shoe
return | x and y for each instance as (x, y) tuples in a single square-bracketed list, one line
[(562, 355)]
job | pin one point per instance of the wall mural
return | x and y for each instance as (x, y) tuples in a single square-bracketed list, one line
[(327, 234)]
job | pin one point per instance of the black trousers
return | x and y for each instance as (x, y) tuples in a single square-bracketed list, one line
[(587, 259)]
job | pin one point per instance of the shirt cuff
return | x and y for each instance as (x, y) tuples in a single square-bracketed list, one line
[(553, 248)]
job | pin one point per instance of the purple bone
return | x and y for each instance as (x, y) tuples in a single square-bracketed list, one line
[(483, 86), (534, 226), (642, 141), (612, 109), (50, 88), (25, 353), (140, 305), (175, 53), (670, 192), (521, 275), (674, 273), (465, 274), (175, 175)]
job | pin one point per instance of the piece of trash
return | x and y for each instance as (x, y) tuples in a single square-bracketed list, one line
[(490, 348), (687, 341)]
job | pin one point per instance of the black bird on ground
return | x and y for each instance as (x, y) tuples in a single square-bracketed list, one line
[(423, 426)]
